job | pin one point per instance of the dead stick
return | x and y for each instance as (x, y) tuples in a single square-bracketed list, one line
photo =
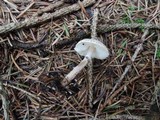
[(81, 35), (139, 47), (106, 27), (48, 8), (46, 17)]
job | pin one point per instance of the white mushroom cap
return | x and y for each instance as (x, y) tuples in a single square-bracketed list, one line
[(100, 50)]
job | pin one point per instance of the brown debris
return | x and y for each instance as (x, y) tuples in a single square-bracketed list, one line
[(37, 40)]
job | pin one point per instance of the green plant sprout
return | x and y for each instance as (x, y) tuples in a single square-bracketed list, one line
[(126, 19), (113, 106), (123, 44), (66, 30)]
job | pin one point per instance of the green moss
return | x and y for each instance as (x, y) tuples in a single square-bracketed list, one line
[(139, 20), (126, 19), (132, 8)]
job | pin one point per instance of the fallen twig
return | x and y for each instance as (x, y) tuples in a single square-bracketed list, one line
[(90, 63), (17, 44), (48, 8), (34, 45), (106, 28), (81, 34), (46, 17), (139, 47), (121, 117)]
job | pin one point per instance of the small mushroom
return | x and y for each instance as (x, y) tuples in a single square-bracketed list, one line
[(90, 48)]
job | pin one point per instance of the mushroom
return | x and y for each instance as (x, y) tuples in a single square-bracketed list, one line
[(90, 48)]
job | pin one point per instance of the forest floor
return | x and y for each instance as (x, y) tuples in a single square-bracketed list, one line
[(37, 40)]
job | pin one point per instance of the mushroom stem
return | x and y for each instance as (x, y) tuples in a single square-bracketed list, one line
[(70, 76)]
